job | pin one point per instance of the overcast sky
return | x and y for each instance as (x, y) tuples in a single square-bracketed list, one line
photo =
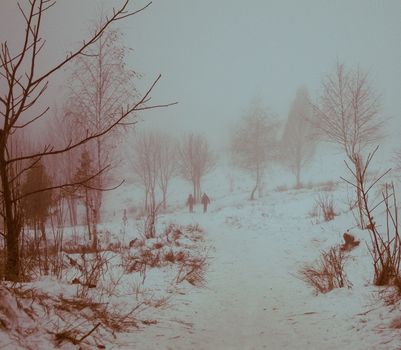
[(218, 56)]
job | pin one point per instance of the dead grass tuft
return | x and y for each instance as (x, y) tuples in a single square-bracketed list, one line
[(328, 272), (324, 202)]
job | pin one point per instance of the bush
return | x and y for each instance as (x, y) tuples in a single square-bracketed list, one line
[(193, 271), (328, 272), (170, 257), (326, 205)]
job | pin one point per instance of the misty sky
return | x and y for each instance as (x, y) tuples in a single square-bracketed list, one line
[(218, 56)]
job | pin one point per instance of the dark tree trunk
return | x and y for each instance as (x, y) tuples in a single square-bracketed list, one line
[(87, 207), (357, 160), (253, 192), (256, 184), (46, 256), (198, 195), (194, 188), (72, 208), (12, 226), (298, 177)]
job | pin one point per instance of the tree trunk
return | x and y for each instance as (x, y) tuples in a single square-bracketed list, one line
[(194, 188), (253, 192), (359, 199), (96, 217), (87, 208), (198, 189), (146, 199), (12, 226), (44, 238), (357, 160), (94, 229), (164, 198), (256, 185), (72, 208), (298, 177)]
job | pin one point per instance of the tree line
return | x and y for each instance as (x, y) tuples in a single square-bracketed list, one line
[(72, 161)]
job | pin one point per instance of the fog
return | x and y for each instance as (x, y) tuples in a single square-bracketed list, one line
[(217, 57), (196, 173)]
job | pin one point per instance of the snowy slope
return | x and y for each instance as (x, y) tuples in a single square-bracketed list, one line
[(254, 298)]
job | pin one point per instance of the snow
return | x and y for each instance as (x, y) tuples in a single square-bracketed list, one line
[(253, 296)]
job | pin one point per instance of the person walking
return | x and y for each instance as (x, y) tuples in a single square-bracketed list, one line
[(190, 203), (205, 201)]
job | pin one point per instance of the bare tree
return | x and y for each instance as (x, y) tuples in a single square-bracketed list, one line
[(154, 163), (253, 144), (167, 164), (348, 114), (195, 160), (99, 85), (63, 166), (87, 196), (23, 85), (385, 248), (145, 163), (298, 141)]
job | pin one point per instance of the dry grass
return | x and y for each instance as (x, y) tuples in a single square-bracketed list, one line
[(325, 203), (328, 272), (170, 257), (193, 271)]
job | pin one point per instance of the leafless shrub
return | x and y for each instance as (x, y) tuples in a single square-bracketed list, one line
[(90, 269), (37, 258), (101, 315), (56, 259), (172, 232), (328, 272), (170, 257), (326, 205), (193, 271), (193, 228), (194, 232), (385, 246), (29, 257)]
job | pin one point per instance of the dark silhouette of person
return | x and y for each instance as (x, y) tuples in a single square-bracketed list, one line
[(190, 203), (205, 201)]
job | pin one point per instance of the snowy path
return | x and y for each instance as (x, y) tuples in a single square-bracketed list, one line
[(253, 299)]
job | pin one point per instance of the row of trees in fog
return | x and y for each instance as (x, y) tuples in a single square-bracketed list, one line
[(256, 141), (346, 113), (101, 102), (158, 157), (71, 161)]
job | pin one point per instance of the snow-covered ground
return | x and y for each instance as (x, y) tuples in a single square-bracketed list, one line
[(253, 296)]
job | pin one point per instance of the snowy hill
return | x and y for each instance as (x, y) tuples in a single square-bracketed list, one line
[(253, 295)]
